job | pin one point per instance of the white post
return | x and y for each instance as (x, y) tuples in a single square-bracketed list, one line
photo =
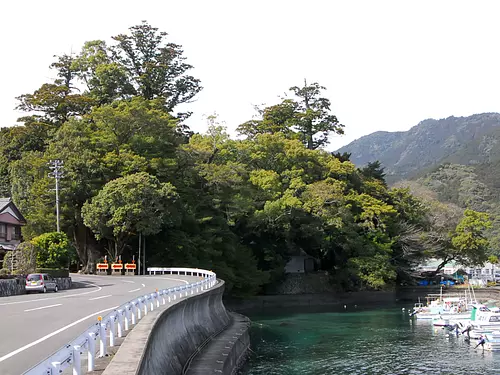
[(163, 297), (127, 316), (77, 360), (139, 309), (120, 323), (56, 367), (112, 330), (134, 311), (145, 306), (91, 351), (102, 340), (151, 302)]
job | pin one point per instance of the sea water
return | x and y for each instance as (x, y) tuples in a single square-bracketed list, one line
[(355, 340)]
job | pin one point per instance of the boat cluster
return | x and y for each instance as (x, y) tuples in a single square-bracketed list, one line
[(464, 316)]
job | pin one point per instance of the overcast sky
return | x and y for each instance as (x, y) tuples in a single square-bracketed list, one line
[(387, 65)]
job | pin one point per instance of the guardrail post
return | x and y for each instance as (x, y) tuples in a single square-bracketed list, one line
[(112, 330), (139, 309), (77, 360), (102, 340), (145, 305), (186, 293), (151, 301), (163, 296), (191, 287), (157, 297), (56, 367), (127, 316), (120, 323), (91, 351), (134, 313), (168, 296)]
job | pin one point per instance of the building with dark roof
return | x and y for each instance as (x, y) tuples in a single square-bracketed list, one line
[(11, 221)]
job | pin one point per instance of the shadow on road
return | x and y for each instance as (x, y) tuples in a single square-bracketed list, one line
[(85, 285)]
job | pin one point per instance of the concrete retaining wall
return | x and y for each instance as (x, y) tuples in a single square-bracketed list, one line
[(302, 283), (162, 342), (225, 353), (12, 287), (239, 350)]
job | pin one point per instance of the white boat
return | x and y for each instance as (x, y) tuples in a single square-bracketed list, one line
[(483, 322), (450, 306)]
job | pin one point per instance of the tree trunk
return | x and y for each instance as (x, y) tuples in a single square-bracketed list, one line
[(442, 264), (86, 246)]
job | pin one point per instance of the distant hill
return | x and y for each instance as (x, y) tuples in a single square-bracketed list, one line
[(457, 159), (472, 140)]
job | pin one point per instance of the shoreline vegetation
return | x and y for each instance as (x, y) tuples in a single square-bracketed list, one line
[(133, 172)]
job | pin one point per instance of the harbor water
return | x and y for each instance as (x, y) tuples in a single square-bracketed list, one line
[(356, 340)]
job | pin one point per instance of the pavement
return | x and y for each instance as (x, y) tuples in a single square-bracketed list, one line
[(33, 326)]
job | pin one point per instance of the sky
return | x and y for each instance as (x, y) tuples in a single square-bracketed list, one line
[(387, 65)]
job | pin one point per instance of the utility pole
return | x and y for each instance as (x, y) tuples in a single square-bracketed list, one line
[(144, 255), (139, 257), (56, 166)]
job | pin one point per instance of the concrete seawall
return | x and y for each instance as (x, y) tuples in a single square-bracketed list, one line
[(164, 340)]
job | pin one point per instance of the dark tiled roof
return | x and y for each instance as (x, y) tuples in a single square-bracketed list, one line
[(4, 203)]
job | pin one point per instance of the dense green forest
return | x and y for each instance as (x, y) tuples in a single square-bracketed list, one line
[(241, 206)]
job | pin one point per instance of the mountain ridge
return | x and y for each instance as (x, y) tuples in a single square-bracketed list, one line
[(466, 140)]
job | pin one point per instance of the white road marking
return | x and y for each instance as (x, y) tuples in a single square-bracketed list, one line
[(43, 307), (171, 278), (143, 285), (17, 351), (134, 290), (93, 299), (51, 298), (128, 281)]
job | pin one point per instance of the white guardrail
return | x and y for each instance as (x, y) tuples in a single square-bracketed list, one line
[(119, 320)]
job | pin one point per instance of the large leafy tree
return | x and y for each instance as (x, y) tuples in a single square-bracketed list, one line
[(141, 63), (306, 117), (127, 206)]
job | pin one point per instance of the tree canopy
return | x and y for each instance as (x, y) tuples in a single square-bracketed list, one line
[(242, 207)]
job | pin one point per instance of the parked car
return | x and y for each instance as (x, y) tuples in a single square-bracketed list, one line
[(40, 282)]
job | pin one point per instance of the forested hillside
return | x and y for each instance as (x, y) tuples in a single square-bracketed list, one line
[(469, 140), (241, 207), (456, 158)]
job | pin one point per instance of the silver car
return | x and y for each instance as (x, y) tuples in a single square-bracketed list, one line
[(40, 282)]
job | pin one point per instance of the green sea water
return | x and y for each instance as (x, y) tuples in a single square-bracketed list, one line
[(357, 340)]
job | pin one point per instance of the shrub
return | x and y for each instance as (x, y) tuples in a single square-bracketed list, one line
[(25, 259), (4, 272), (52, 250), (54, 272), (7, 260)]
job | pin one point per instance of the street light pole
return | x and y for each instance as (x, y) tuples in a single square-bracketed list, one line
[(56, 166), (139, 257)]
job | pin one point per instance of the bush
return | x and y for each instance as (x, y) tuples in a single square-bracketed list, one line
[(4, 271), (54, 272), (52, 250)]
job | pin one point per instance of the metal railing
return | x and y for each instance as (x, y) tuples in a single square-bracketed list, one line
[(117, 321)]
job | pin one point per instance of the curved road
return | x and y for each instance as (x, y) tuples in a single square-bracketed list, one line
[(33, 326)]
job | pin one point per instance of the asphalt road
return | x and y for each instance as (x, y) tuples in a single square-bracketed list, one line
[(33, 326)]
